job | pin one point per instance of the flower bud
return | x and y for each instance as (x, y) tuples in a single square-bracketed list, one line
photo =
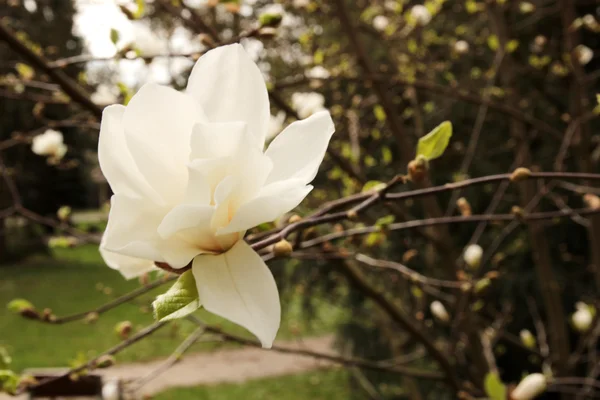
[(420, 14), (267, 32), (520, 174), (583, 54), (91, 317), (270, 19), (380, 22), (582, 318), (439, 311), (472, 255), (527, 339), (464, 207), (294, 218), (526, 7), (530, 387), (461, 47), (282, 248), (105, 361), (63, 213), (111, 390), (592, 201), (124, 329), (417, 169)]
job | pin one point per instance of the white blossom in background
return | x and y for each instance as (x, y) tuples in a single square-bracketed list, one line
[(307, 104), (583, 54), (527, 338), (301, 3), (472, 255), (275, 125), (583, 317), (318, 72), (439, 311), (190, 177), (420, 14), (49, 144), (530, 387), (110, 390), (104, 94), (461, 47), (526, 7), (380, 22)]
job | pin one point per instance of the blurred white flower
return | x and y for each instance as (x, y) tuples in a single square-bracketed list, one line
[(380, 22), (583, 54), (275, 125), (439, 311), (582, 318), (526, 7), (530, 387), (301, 3), (111, 391), (103, 95), (472, 255), (420, 14), (527, 338), (49, 144), (461, 47), (318, 72), (307, 104), (190, 177)]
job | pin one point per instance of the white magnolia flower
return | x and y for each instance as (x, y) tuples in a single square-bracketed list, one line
[(111, 391), (461, 47), (530, 387), (190, 177), (307, 104), (527, 338), (49, 144), (584, 54), (380, 22), (472, 255), (318, 72), (439, 311), (420, 14), (582, 318), (275, 125)]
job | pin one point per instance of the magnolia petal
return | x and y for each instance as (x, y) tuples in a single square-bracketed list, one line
[(220, 139), (129, 267), (238, 285), (298, 151), (212, 171), (242, 93), (116, 161), (198, 190), (158, 124), (273, 201), (224, 211), (192, 223)]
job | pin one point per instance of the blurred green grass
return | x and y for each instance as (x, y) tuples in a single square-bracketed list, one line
[(317, 385), (75, 280)]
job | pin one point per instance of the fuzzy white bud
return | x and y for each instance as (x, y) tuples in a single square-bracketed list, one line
[(439, 311), (50, 144), (527, 339), (110, 390), (461, 47), (582, 318), (420, 14), (472, 255), (530, 387), (380, 22), (584, 54)]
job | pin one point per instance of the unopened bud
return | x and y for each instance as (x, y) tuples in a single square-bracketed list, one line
[(592, 201), (105, 361), (124, 329), (417, 169), (517, 211), (91, 317), (267, 32), (409, 255), (439, 311), (530, 387), (283, 248), (352, 215), (482, 284), (527, 339), (270, 20), (520, 174), (472, 256), (464, 207), (582, 318), (294, 218), (63, 213)]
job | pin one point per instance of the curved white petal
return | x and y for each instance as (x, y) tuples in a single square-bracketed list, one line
[(230, 87), (129, 267), (158, 124), (272, 201), (220, 139), (132, 230), (298, 151), (238, 286), (116, 161), (192, 223)]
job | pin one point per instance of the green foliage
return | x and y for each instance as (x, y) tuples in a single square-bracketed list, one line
[(272, 20), (5, 359), (433, 145), (114, 36), (19, 305), (180, 300), (494, 388), (373, 185), (8, 381), (379, 113)]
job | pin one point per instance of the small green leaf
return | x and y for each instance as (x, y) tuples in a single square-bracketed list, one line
[(433, 145), (141, 7), (180, 300), (385, 221), (494, 388), (318, 57), (493, 42), (8, 381), (5, 358), (18, 305), (25, 71), (268, 19), (373, 185), (114, 36), (379, 113), (512, 45)]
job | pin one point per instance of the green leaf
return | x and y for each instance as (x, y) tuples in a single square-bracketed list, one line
[(141, 7), (433, 145), (318, 57), (494, 388), (114, 36), (24, 71), (268, 19), (8, 381), (373, 185), (379, 113), (18, 305), (385, 221), (5, 358), (180, 300), (512, 45), (493, 42)]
